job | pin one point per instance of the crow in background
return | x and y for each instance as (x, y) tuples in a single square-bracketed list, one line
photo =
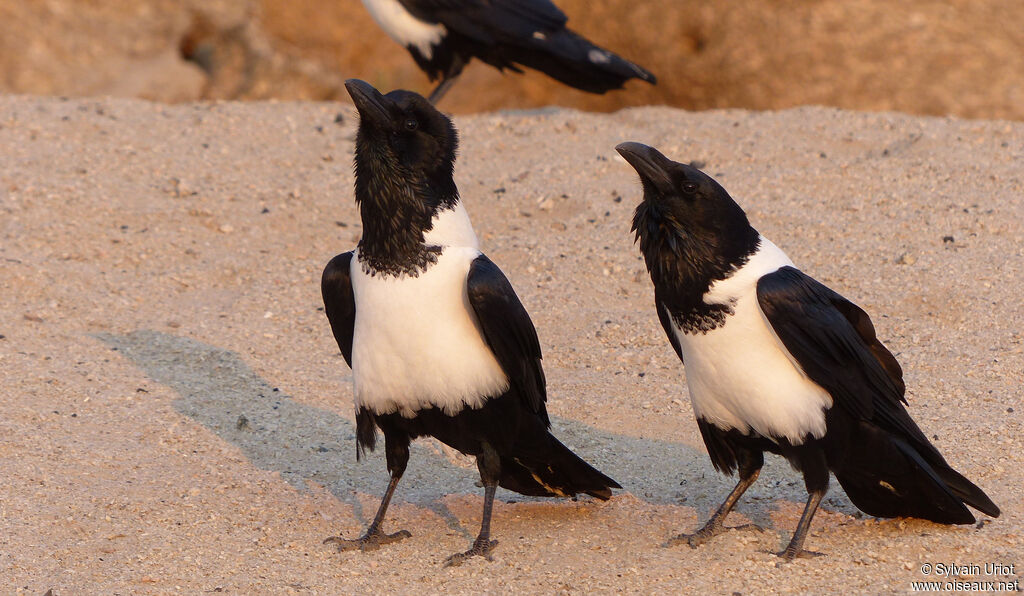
[(444, 35)]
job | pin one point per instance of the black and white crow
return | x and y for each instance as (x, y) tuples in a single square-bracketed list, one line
[(437, 339), (777, 362), (444, 35)]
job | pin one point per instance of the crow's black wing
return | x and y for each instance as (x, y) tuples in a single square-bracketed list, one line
[(531, 33), (834, 342), (340, 302), (509, 332), (666, 324), (490, 21)]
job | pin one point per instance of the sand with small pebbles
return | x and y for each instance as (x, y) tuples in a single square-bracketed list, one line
[(177, 417)]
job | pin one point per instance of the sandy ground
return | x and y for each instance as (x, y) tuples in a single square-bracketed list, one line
[(177, 418)]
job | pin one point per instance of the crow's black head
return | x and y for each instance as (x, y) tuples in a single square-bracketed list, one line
[(403, 133), (690, 230), (404, 162)]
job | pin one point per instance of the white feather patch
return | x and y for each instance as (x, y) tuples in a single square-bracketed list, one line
[(417, 343), (404, 28), (740, 375), (599, 56), (452, 227)]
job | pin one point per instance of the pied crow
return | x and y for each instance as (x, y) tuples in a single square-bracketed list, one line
[(438, 342), (777, 362), (444, 35)]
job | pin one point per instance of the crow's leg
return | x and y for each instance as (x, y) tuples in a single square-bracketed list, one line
[(397, 451), (816, 473), (749, 468), (489, 464), (448, 78), (442, 88), (796, 545)]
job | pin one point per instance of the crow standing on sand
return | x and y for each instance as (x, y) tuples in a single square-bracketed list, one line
[(777, 362), (437, 339), (444, 35)]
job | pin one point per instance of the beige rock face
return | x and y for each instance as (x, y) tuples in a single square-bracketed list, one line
[(919, 56)]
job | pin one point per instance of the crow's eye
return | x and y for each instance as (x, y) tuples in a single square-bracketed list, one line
[(411, 124), (689, 188)]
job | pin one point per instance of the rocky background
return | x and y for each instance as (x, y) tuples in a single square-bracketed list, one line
[(959, 57)]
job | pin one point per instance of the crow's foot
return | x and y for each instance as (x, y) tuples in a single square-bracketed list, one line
[(480, 548), (371, 540), (705, 534)]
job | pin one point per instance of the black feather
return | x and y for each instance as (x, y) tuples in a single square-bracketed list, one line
[(508, 34), (509, 332), (885, 463), (340, 302)]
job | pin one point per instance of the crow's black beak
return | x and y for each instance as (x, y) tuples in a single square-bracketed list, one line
[(373, 107), (652, 166)]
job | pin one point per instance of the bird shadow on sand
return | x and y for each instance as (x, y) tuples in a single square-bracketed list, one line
[(308, 444)]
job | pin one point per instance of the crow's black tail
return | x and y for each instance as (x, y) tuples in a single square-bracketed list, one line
[(554, 471), (887, 476), (571, 59)]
